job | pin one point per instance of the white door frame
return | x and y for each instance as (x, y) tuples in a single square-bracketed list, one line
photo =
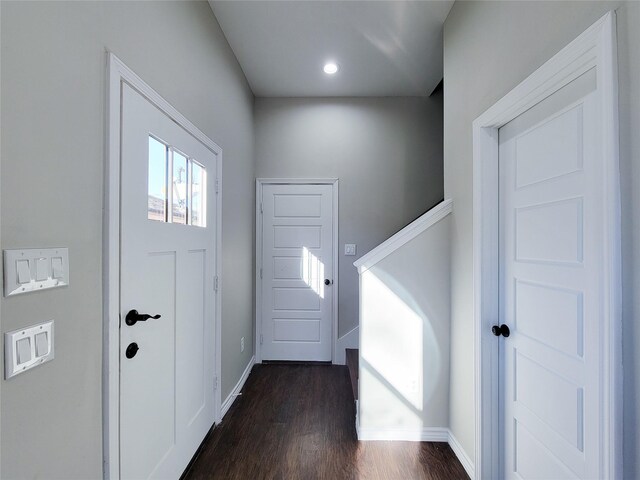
[(119, 74), (334, 310), (595, 48)]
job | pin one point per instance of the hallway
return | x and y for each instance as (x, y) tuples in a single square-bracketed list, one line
[(297, 422)]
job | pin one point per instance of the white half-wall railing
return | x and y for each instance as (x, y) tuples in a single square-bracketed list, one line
[(405, 235), (404, 335)]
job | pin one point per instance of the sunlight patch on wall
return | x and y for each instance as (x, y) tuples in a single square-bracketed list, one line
[(394, 339), (313, 272)]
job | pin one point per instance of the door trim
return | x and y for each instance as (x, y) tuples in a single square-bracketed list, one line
[(117, 75), (595, 48), (334, 182)]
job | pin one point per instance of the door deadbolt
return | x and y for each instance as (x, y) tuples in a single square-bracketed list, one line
[(132, 349)]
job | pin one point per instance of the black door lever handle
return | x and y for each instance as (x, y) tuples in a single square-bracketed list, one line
[(133, 317)]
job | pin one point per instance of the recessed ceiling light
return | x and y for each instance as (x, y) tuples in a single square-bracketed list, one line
[(330, 68)]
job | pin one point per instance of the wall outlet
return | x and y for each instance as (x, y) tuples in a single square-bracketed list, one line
[(242, 345), (350, 249)]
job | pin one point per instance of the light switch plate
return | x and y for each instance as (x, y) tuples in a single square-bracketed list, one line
[(39, 339), (350, 249), (35, 269)]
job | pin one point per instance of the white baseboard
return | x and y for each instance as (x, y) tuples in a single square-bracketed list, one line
[(226, 405), (350, 339), (425, 434), (462, 456)]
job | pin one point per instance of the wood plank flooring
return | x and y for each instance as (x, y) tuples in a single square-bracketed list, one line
[(298, 422)]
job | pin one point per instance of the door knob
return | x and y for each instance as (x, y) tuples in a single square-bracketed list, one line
[(327, 281), (131, 350), (503, 330), (133, 316)]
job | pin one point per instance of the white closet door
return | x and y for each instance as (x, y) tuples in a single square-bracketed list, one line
[(551, 250), (297, 264)]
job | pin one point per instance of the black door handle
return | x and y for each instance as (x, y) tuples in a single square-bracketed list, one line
[(327, 281), (133, 316), (503, 330)]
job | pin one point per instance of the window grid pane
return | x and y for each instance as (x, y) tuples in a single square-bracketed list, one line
[(179, 190), (176, 180), (157, 181), (198, 189)]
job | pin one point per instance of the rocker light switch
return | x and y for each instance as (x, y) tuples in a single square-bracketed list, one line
[(42, 344), (42, 269), (56, 266), (23, 347), (24, 272)]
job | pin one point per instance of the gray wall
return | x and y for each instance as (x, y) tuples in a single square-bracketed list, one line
[(490, 47), (53, 90), (387, 153), (404, 337)]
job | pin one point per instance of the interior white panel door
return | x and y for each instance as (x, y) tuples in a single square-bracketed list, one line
[(167, 269), (297, 264), (550, 273)]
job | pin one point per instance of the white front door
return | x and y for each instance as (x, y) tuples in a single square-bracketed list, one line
[(167, 260), (551, 249), (297, 272)]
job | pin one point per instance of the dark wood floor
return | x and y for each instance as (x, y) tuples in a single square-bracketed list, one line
[(297, 422)]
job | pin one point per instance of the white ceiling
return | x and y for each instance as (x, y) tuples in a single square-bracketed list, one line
[(384, 48)]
